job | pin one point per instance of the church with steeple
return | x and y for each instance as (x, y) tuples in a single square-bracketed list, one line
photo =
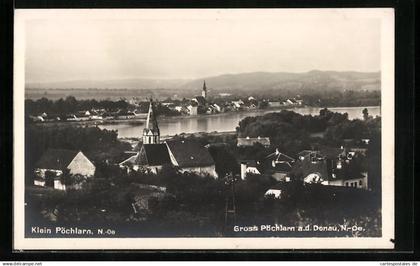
[(204, 91), (185, 155), (201, 100), (151, 133)]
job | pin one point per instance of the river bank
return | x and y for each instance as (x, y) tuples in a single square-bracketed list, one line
[(224, 122)]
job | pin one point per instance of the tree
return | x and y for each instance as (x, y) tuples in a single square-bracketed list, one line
[(365, 114)]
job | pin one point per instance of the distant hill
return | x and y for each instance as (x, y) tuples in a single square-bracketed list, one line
[(269, 81), (313, 80)]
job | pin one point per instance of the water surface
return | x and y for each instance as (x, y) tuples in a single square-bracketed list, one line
[(170, 126)]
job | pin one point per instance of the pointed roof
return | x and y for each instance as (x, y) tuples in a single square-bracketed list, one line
[(279, 157), (151, 121), (57, 159), (204, 86)]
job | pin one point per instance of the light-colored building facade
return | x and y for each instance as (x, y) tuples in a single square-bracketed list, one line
[(54, 162)]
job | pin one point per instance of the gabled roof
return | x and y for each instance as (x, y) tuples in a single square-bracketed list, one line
[(279, 157), (129, 161), (283, 167), (153, 155), (189, 153), (56, 159)]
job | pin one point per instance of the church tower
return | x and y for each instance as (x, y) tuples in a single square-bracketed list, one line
[(151, 133), (204, 91)]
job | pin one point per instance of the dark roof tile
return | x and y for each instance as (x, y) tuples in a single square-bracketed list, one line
[(57, 159), (153, 155), (189, 153)]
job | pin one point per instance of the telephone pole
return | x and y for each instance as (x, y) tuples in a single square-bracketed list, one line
[(230, 205)]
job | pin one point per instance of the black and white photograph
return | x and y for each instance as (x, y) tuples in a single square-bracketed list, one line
[(204, 128)]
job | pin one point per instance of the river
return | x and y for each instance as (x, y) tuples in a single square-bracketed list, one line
[(224, 122)]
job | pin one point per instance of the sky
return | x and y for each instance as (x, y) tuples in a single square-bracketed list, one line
[(176, 44)]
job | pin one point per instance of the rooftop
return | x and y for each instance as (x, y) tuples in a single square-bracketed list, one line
[(57, 159), (153, 155), (189, 153)]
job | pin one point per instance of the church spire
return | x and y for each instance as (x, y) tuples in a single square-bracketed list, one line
[(151, 133), (204, 91)]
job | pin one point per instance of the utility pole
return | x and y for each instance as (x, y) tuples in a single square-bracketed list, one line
[(230, 205)]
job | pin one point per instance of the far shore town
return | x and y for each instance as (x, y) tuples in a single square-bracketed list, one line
[(134, 108)]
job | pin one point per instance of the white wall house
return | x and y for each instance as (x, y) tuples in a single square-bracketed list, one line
[(54, 162)]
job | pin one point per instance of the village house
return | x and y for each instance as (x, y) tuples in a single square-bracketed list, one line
[(193, 108), (125, 115), (273, 192), (181, 109), (330, 166), (36, 118), (248, 141), (217, 107), (274, 104), (299, 102), (290, 102), (249, 167), (71, 117), (359, 181), (237, 105), (95, 115), (83, 115), (277, 191), (278, 165), (54, 162), (210, 110)]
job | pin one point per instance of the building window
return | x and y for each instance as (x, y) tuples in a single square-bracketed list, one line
[(360, 183)]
